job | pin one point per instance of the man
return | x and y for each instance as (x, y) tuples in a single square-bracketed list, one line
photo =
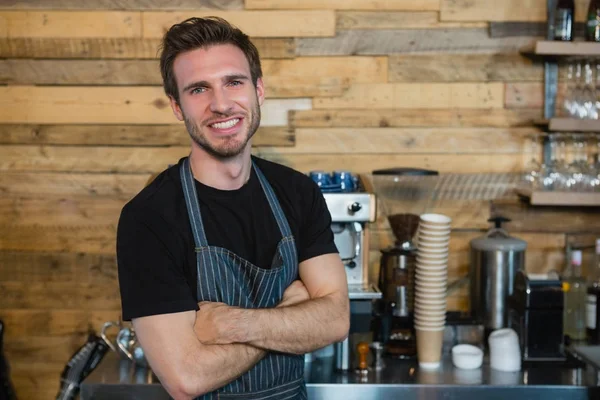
[(227, 265)]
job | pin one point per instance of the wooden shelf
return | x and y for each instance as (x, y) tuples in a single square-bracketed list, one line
[(565, 49), (569, 124), (538, 198)]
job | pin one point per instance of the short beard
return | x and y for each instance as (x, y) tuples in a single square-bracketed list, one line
[(231, 147)]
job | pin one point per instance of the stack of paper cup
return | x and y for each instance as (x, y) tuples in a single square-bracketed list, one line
[(431, 278)]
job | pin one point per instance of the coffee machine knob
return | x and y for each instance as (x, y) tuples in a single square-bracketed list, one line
[(354, 207)]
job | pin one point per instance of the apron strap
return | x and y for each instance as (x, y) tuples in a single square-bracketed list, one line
[(191, 200), (282, 221)]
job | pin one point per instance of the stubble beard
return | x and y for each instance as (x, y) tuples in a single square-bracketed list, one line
[(227, 147)]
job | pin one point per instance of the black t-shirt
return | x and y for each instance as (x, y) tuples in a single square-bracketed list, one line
[(155, 243)]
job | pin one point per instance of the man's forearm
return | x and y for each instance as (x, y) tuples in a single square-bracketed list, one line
[(300, 328), (210, 367)]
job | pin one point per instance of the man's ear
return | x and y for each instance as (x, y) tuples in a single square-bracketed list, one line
[(176, 108), (260, 91)]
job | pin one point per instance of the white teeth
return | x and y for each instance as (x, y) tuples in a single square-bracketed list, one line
[(226, 124)]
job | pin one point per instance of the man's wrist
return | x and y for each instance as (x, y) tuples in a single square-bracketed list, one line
[(244, 320)]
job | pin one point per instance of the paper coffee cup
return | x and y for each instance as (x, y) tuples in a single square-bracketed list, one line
[(429, 347)]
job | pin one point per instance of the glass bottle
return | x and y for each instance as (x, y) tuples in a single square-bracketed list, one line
[(564, 16), (592, 26), (575, 296)]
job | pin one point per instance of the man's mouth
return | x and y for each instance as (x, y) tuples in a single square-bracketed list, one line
[(225, 124)]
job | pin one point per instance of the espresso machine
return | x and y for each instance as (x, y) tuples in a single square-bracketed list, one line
[(404, 194), (352, 209)]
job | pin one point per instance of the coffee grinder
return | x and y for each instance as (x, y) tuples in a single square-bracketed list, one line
[(405, 193)]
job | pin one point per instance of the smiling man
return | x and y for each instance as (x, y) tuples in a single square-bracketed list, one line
[(227, 265)]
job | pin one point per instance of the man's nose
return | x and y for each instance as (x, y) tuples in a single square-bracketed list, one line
[(220, 102)]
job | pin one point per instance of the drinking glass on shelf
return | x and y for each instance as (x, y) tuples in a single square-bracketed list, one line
[(579, 177), (531, 174), (588, 94), (568, 104), (553, 175)]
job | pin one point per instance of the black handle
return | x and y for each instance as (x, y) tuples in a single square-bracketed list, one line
[(499, 220)]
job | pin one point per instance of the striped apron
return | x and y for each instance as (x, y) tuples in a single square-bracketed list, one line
[(225, 277)]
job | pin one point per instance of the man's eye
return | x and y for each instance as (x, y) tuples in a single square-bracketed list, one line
[(235, 83), (197, 90)]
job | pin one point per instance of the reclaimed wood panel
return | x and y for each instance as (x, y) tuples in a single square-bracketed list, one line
[(122, 4), (365, 163), (417, 95), (149, 160), (548, 219), (408, 140), (93, 239), (527, 94), (72, 24), (539, 29), (113, 105), (346, 20), (44, 210), (121, 186), (43, 349), (150, 24), (55, 295), (55, 322), (254, 23), (116, 48), (57, 267), (385, 42), (97, 158), (410, 5), (281, 76), (507, 10), (34, 381), (357, 69), (524, 94), (126, 135), (464, 68), (145, 72), (495, 117)]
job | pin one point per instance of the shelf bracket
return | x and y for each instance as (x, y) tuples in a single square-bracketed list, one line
[(550, 81)]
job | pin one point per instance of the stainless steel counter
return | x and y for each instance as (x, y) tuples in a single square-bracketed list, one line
[(117, 379)]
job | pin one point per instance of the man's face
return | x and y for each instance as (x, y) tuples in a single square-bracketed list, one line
[(217, 99)]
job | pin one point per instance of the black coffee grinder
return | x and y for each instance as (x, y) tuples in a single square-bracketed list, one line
[(396, 281)]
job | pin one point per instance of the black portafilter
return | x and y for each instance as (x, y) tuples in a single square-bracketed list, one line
[(81, 364)]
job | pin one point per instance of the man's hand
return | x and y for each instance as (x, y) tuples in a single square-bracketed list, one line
[(294, 294), (216, 323)]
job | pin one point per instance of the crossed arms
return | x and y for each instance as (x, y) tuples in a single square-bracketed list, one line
[(193, 353)]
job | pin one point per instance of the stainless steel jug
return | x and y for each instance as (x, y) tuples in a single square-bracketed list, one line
[(126, 343), (495, 259)]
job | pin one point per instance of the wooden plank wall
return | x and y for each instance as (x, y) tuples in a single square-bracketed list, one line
[(353, 84)]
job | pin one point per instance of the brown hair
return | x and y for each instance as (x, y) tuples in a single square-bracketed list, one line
[(195, 33)]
